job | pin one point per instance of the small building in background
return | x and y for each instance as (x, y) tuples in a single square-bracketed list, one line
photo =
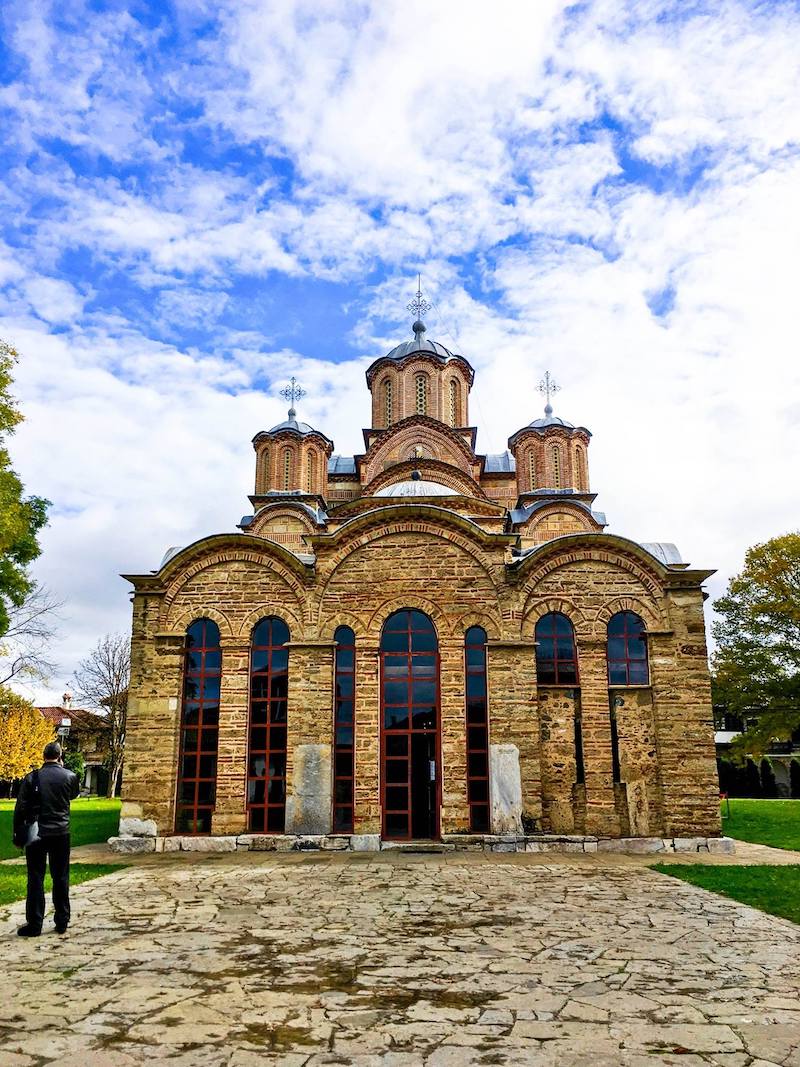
[(86, 732)]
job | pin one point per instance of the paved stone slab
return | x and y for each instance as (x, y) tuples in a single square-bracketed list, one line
[(395, 959)]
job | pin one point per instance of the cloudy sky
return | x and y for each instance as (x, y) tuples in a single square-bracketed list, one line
[(200, 199)]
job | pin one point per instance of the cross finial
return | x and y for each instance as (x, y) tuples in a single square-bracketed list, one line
[(419, 307), (548, 388), (291, 393)]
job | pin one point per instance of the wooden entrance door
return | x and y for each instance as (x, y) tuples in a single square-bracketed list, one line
[(410, 727)]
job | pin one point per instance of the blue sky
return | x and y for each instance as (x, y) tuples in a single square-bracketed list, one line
[(198, 200)]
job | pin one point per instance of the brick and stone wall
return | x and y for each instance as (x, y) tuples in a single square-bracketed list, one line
[(446, 566)]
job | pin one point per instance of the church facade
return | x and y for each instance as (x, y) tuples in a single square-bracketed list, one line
[(421, 642)]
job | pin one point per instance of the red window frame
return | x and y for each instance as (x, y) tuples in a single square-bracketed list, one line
[(627, 628), (549, 655), (199, 737), (477, 727), (267, 722), (397, 820), (344, 725)]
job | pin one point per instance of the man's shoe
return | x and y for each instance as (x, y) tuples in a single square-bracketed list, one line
[(28, 931), (61, 928)]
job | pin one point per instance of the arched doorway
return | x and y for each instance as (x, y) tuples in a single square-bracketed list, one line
[(410, 716)]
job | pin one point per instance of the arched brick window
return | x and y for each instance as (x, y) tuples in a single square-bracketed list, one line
[(532, 468), (556, 658), (556, 453), (421, 394), (287, 468), (580, 469), (455, 413), (388, 402), (344, 730), (477, 729), (627, 650), (311, 473), (266, 757), (263, 466), (197, 768)]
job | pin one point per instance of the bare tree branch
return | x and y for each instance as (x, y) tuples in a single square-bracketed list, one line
[(32, 628), (102, 681)]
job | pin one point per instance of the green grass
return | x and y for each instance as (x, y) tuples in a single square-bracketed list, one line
[(92, 819), (13, 879), (775, 890), (764, 822)]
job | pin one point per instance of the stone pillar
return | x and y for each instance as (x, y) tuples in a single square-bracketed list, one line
[(230, 816), (309, 746), (601, 815), (154, 708), (514, 725), (684, 721), (557, 709), (455, 807), (367, 817)]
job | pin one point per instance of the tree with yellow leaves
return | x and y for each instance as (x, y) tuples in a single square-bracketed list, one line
[(23, 734)]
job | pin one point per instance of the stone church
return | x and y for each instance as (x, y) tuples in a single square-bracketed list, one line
[(420, 642)]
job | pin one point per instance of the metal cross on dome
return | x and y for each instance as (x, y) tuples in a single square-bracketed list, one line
[(291, 393), (548, 387), (419, 306)]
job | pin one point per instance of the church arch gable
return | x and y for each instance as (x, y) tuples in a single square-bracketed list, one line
[(437, 440)]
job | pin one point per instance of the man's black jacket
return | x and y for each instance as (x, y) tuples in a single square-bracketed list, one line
[(58, 787)]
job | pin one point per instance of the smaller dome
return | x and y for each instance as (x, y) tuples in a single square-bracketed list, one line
[(550, 420), (293, 424), (416, 487), (420, 344)]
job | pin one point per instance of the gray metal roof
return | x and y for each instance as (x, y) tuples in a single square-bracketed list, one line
[(341, 465), (421, 343), (503, 463), (664, 551), (520, 515), (292, 424), (550, 420)]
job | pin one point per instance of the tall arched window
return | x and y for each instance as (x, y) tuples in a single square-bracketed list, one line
[(556, 658), (263, 466), (627, 650), (287, 467), (532, 468), (388, 402), (344, 728), (477, 730), (455, 414), (410, 707), (311, 473), (421, 392), (197, 769), (580, 469), (556, 453), (266, 757)]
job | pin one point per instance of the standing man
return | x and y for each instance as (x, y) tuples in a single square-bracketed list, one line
[(57, 787)]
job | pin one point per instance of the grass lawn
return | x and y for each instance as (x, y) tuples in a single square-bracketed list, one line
[(13, 880), (93, 819), (765, 822), (772, 889)]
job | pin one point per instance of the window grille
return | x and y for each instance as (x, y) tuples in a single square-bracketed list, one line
[(532, 468), (556, 657), (388, 400), (556, 467), (266, 756), (477, 730), (627, 650), (197, 768), (287, 467), (311, 472), (344, 730), (454, 412), (422, 394)]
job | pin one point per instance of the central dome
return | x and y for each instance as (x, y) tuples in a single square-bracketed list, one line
[(420, 344), (416, 487)]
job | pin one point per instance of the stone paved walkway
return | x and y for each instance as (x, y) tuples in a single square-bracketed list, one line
[(401, 960)]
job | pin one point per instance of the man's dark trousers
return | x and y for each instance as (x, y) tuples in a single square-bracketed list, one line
[(36, 856)]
